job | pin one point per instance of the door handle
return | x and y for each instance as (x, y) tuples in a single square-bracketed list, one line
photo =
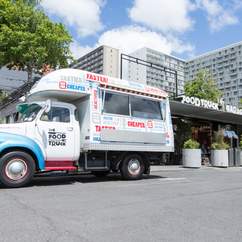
[(70, 129)]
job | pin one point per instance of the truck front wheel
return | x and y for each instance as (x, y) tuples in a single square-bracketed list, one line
[(16, 169), (132, 167)]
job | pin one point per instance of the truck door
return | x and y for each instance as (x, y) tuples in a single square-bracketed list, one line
[(55, 130)]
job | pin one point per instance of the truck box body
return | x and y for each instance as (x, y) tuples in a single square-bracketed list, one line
[(101, 130)]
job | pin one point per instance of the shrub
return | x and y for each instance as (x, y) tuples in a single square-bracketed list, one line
[(191, 144), (240, 143), (219, 143)]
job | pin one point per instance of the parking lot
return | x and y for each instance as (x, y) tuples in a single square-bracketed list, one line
[(173, 204)]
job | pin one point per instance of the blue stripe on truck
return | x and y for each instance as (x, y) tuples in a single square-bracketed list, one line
[(8, 140)]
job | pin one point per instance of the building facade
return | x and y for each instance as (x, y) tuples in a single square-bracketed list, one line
[(11, 80), (152, 75), (225, 66), (102, 60), (15, 84)]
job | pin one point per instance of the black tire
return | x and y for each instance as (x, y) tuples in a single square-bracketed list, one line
[(100, 173), (24, 169), (126, 169)]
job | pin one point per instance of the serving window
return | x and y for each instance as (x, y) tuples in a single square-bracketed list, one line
[(138, 107), (116, 103), (145, 108)]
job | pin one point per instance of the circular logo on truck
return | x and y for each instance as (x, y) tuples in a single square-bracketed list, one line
[(62, 85)]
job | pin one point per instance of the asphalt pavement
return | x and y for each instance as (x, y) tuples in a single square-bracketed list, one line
[(172, 204)]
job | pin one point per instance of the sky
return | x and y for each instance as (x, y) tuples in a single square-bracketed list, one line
[(182, 28)]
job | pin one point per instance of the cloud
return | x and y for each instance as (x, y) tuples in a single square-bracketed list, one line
[(82, 15), (218, 16), (163, 15), (78, 50), (131, 38)]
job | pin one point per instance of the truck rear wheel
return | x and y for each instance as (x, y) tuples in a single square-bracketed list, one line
[(16, 169), (132, 167)]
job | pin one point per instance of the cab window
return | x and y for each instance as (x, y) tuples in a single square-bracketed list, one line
[(28, 112), (57, 114)]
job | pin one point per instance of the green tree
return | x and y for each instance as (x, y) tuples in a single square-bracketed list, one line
[(240, 103), (3, 95), (29, 2), (29, 40), (203, 87)]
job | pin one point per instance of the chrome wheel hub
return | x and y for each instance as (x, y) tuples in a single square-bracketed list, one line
[(134, 166), (16, 169)]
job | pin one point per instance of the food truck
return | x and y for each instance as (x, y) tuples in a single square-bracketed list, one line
[(75, 121)]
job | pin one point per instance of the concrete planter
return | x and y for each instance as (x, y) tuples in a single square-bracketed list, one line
[(220, 158), (191, 158), (240, 156)]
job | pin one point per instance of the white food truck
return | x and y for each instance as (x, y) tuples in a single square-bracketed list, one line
[(76, 121)]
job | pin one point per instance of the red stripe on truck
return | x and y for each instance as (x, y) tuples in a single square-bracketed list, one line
[(60, 166)]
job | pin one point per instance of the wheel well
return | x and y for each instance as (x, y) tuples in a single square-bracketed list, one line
[(26, 150), (146, 161)]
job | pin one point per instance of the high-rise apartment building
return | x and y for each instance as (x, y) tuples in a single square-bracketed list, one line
[(155, 76), (225, 66), (102, 60)]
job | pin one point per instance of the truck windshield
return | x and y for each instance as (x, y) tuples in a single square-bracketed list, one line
[(29, 112)]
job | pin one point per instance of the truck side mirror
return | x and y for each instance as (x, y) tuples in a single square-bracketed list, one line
[(48, 105), (22, 107)]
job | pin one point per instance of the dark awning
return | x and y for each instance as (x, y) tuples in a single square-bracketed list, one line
[(187, 110)]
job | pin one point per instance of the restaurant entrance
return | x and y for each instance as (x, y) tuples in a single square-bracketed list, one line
[(202, 132), (201, 124), (199, 130)]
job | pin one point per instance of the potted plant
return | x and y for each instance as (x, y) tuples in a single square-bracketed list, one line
[(240, 152), (219, 152), (191, 154)]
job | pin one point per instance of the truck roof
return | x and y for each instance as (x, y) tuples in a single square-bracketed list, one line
[(73, 83)]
